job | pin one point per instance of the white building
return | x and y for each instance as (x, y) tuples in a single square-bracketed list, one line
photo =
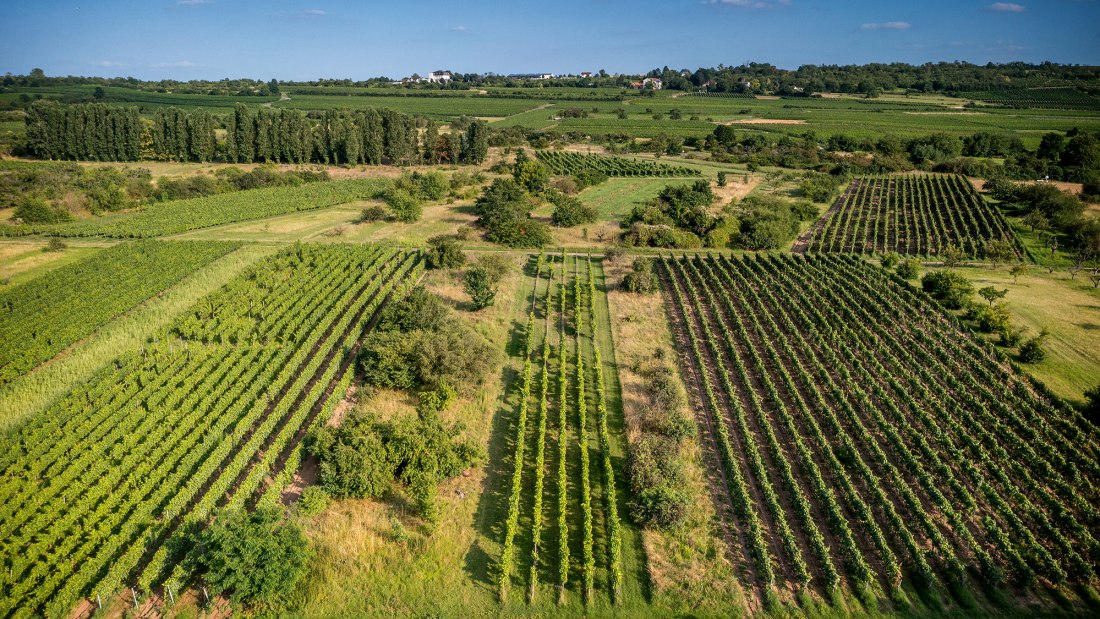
[(437, 77), (652, 82)]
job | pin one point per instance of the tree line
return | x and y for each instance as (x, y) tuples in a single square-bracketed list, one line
[(97, 132)]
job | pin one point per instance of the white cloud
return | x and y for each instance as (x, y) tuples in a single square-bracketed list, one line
[(179, 64), (315, 12), (1007, 7), (193, 2), (458, 29), (107, 63), (888, 25)]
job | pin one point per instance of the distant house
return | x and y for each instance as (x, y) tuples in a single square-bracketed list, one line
[(439, 77), (531, 76), (637, 85), (412, 79), (652, 82), (586, 74)]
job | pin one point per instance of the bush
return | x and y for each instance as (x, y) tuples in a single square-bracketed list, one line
[(642, 279), (948, 287), (1032, 351), (55, 244), (657, 483), (314, 500), (889, 260), (818, 187), (569, 211), (478, 284), (372, 214), (404, 205), (35, 210), (364, 458), (444, 252), (258, 558), (1092, 405), (909, 268), (588, 178), (504, 210)]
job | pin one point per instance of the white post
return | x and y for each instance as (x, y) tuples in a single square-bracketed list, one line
[(134, 593), (171, 597), (205, 595), (98, 601)]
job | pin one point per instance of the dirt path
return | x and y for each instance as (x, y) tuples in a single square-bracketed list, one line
[(802, 244), (282, 97)]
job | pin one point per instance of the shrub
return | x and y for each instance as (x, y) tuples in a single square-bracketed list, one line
[(257, 557), (404, 205), (35, 210), (909, 268), (569, 211), (889, 260), (480, 287), (614, 254), (1092, 405), (55, 244), (1032, 351), (642, 279), (314, 500), (371, 214), (504, 210), (444, 252), (948, 287)]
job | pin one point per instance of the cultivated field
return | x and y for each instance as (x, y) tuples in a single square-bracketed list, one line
[(869, 447), (916, 215), (207, 415)]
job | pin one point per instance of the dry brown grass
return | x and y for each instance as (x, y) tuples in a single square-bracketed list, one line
[(687, 566)]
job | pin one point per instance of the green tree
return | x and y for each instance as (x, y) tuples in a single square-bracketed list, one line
[(475, 143), (444, 252), (951, 255), (479, 285), (532, 175), (997, 251), (1032, 351), (1018, 269), (950, 288), (991, 294), (258, 558)]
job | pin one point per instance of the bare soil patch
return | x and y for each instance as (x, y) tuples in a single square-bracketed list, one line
[(764, 121)]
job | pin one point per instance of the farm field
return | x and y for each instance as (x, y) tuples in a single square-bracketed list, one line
[(563, 538), (42, 317), (188, 412), (908, 482), (914, 215)]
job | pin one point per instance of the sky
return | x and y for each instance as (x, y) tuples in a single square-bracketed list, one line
[(302, 40)]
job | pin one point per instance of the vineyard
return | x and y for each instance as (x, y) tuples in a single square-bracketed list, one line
[(1043, 98), (867, 445), (44, 316), (209, 414), (565, 162), (182, 215), (916, 215), (563, 532)]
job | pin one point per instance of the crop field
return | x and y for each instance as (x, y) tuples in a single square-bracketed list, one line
[(915, 215), (563, 535), (210, 413), (868, 445), (1048, 98), (43, 316), (566, 162), (178, 216), (436, 108)]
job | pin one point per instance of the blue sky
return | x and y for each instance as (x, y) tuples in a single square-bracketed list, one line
[(293, 40)]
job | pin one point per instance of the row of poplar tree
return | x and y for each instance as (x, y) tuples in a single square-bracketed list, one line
[(98, 132)]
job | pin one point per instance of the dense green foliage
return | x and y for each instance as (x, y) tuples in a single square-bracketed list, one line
[(45, 315), (679, 217), (444, 252), (208, 414), (948, 287), (584, 165), (364, 457), (922, 459), (641, 279), (569, 211), (915, 215), (419, 343), (504, 211), (256, 557)]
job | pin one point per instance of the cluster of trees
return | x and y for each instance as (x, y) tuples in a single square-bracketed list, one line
[(871, 79), (1073, 157), (504, 211), (482, 280), (1057, 215), (99, 132), (365, 457), (419, 344), (89, 132), (681, 217), (37, 78)]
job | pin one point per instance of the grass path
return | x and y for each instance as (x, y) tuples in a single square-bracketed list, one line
[(36, 390)]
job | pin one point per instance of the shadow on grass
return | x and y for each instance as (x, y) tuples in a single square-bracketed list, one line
[(493, 500)]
